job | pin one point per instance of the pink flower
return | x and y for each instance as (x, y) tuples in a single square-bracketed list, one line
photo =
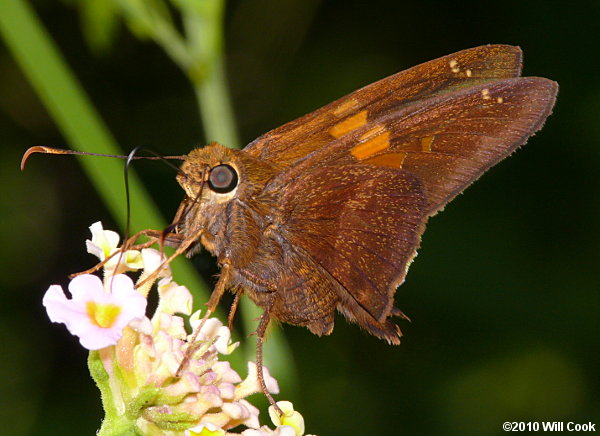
[(95, 314)]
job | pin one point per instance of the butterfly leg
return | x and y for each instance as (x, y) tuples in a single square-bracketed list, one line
[(260, 336), (232, 310), (213, 301), (398, 312), (178, 218), (127, 245), (182, 248)]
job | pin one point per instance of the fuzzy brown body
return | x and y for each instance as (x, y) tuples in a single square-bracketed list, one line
[(329, 209), (256, 232)]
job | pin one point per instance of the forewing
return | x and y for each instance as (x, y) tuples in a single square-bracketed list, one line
[(446, 141), (362, 224), (471, 67)]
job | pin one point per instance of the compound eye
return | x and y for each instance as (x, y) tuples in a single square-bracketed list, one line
[(222, 179)]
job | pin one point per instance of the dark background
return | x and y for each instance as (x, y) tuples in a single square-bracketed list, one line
[(503, 296)]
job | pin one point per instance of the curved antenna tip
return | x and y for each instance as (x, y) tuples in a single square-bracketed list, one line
[(41, 149)]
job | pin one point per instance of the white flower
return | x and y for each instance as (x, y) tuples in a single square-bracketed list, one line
[(291, 423), (152, 259), (214, 330), (95, 314), (174, 298), (290, 417), (251, 383), (104, 243)]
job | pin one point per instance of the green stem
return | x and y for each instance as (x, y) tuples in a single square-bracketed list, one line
[(119, 426), (216, 112), (143, 18), (102, 380), (114, 423)]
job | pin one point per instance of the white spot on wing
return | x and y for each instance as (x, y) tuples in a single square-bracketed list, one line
[(454, 66)]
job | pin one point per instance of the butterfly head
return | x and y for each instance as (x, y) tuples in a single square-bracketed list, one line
[(210, 174), (217, 174)]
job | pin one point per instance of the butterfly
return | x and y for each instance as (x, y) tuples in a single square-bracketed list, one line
[(325, 213)]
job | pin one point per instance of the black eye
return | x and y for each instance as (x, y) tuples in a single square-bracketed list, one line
[(223, 178)]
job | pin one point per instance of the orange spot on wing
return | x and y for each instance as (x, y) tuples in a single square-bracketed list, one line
[(349, 124), (372, 146), (426, 143), (393, 160)]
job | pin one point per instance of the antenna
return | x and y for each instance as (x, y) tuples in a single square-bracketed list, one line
[(52, 150)]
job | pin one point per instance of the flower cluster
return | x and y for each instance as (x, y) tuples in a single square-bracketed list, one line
[(155, 377)]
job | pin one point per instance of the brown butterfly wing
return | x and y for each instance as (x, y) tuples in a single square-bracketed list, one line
[(362, 225), (360, 176), (447, 141), (296, 139), (359, 207)]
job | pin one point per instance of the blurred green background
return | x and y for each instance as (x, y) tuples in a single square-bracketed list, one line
[(504, 295)]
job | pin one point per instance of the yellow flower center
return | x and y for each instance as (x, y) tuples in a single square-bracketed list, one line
[(103, 315)]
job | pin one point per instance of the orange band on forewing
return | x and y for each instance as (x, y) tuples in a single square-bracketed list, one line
[(349, 124), (392, 160), (426, 144), (372, 146)]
